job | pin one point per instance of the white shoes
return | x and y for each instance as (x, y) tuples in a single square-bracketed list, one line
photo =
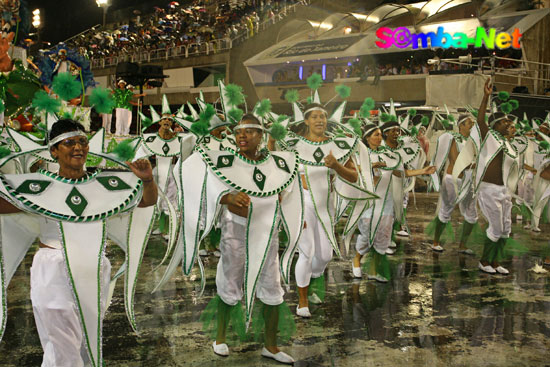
[(536, 229), (156, 231), (220, 349), (279, 357), (466, 251), (314, 298), (303, 312), (403, 233), (166, 237), (390, 251), (219, 254), (487, 269), (502, 270), (203, 252), (378, 278), (437, 248), (393, 244), (519, 218), (356, 271)]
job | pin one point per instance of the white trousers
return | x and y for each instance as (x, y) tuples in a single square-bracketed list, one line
[(526, 190), (230, 273), (447, 193), (55, 311), (123, 121), (106, 119), (315, 250), (496, 205), (383, 232)]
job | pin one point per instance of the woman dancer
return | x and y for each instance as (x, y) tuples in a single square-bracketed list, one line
[(376, 223)]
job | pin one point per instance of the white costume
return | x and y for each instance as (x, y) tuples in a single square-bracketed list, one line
[(69, 284)]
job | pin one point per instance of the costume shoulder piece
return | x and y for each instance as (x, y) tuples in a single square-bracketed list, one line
[(520, 143), (76, 199), (382, 154), (161, 147), (266, 177), (313, 153), (408, 149)]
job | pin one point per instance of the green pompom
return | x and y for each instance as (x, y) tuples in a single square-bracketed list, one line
[(146, 122), (384, 117), (503, 96), (124, 150), (315, 81), (4, 151), (411, 112), (234, 94), (102, 100), (369, 103), (527, 127), (518, 126), (445, 123), (366, 107), (42, 101), (66, 86), (200, 128), (2, 106), (393, 118), (425, 120), (309, 100), (281, 118), (355, 125), (235, 115), (506, 107), (514, 103), (292, 96), (544, 145), (343, 91), (207, 114), (263, 108), (451, 118), (414, 131), (277, 131)]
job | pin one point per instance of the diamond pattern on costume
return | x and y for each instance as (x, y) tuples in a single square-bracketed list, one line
[(318, 155), (113, 183), (225, 161), (259, 178), (33, 187), (76, 201)]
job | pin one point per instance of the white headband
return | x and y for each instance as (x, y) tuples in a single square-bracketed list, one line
[(316, 108), (369, 130), (64, 136), (505, 117), (249, 126)]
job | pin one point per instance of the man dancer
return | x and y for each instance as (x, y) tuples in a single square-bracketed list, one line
[(448, 148), (496, 176)]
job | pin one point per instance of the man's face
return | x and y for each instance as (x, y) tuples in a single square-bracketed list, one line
[(504, 126), (393, 134), (165, 124)]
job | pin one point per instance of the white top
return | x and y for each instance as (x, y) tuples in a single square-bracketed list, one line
[(50, 234)]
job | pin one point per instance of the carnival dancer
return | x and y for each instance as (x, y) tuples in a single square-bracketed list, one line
[(397, 138), (165, 146), (495, 178), (123, 108), (70, 274), (535, 155), (541, 182), (449, 145), (327, 161), (256, 192), (376, 223)]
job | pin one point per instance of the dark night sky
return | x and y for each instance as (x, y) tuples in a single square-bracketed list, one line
[(62, 18)]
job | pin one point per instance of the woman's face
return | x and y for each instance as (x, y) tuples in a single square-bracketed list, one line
[(71, 153), (316, 122), (248, 139), (375, 139)]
